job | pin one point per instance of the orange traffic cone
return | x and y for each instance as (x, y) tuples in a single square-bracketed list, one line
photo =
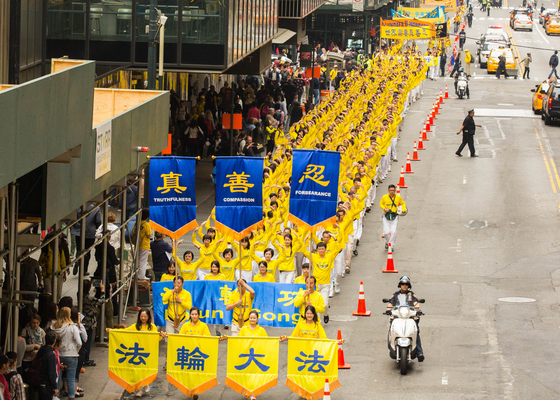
[(401, 181), (415, 153), (434, 111), (362, 304), (398, 192), (390, 263), (431, 118), (427, 128), (327, 391), (408, 169), (446, 92), (420, 144), (436, 107), (341, 363), (441, 97), (425, 136)]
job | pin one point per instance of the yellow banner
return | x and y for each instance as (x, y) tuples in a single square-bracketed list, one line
[(310, 362), (406, 29), (252, 364), (192, 363), (419, 14), (133, 358), (450, 6)]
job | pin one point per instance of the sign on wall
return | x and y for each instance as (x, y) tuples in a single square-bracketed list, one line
[(103, 150)]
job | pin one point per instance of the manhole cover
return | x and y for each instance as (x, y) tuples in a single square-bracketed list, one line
[(517, 300), (477, 224), (343, 318)]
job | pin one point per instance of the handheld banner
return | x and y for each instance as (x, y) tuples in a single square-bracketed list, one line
[(239, 195), (314, 192), (252, 364), (406, 29), (275, 301), (133, 358), (436, 15), (172, 195), (441, 31), (192, 363), (310, 362), (450, 6)]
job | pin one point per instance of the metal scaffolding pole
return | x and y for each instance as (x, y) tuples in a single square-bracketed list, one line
[(82, 239), (137, 241), (122, 253), (2, 220), (13, 311), (104, 269), (55, 266)]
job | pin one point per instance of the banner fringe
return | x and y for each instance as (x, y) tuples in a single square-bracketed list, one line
[(132, 387), (178, 233), (294, 387), (245, 392), (197, 390), (238, 235), (317, 227)]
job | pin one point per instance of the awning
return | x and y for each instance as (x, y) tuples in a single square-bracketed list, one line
[(282, 36)]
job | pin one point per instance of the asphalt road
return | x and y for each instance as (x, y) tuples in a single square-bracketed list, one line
[(478, 230)]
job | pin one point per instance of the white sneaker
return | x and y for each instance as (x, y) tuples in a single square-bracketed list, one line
[(337, 288), (140, 393), (331, 292)]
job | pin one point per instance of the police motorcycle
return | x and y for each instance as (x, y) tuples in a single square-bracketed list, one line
[(462, 84), (403, 330)]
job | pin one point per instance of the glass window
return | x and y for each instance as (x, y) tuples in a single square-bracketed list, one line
[(66, 20)]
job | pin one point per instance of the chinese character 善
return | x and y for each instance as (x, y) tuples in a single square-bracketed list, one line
[(238, 182)]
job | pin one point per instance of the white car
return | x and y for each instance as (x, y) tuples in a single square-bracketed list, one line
[(496, 30), (522, 21)]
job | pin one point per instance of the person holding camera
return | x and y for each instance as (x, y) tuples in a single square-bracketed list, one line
[(392, 205)]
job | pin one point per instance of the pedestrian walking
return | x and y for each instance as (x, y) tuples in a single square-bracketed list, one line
[(468, 62), (553, 63), (457, 65), (468, 128), (442, 62), (526, 61), (502, 66), (462, 38)]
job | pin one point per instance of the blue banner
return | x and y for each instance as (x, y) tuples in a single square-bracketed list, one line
[(314, 193), (239, 195), (274, 301), (172, 195)]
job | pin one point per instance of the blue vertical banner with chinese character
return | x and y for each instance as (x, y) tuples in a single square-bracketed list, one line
[(274, 301), (314, 192), (252, 364), (192, 363), (239, 196), (310, 362), (172, 195), (133, 358)]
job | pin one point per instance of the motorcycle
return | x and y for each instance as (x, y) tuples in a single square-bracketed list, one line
[(403, 331), (462, 86)]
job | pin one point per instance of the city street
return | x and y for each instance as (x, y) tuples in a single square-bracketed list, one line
[(480, 243)]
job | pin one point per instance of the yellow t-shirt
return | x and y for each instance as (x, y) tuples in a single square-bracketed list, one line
[(200, 329), (247, 305), (184, 306), (267, 278), (143, 328), (309, 331), (247, 331), (219, 277), (167, 277), (300, 279), (316, 300)]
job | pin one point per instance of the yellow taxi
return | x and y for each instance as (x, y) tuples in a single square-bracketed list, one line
[(493, 59), (538, 96), (552, 26)]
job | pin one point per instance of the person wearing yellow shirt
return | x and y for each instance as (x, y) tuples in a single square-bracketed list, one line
[(215, 274), (308, 328), (206, 249), (241, 302), (322, 265), (392, 205), (304, 274), (195, 326), (246, 254), (145, 236), (253, 329), (309, 297), (288, 251), (179, 302), (271, 264), (170, 274), (263, 275), (187, 268), (228, 264)]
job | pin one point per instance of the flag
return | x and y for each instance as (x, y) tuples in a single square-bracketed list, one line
[(310, 362), (406, 29), (274, 300), (314, 192), (172, 195), (239, 195), (252, 364), (133, 358), (192, 363)]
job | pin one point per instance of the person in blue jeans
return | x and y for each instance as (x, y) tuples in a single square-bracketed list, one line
[(553, 63), (71, 342), (91, 306)]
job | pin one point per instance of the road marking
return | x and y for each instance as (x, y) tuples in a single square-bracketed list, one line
[(504, 104), (500, 127), (487, 134), (444, 378), (458, 245), (546, 162), (464, 179), (543, 36)]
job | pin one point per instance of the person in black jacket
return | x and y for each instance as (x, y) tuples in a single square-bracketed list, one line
[(160, 260), (296, 114), (48, 387), (468, 128)]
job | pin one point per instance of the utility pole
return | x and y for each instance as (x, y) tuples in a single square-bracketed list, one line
[(152, 46), (367, 29)]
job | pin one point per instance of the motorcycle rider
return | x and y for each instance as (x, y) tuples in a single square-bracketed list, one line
[(405, 285), (463, 74)]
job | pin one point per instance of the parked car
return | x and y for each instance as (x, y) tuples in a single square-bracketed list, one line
[(551, 104), (538, 97)]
